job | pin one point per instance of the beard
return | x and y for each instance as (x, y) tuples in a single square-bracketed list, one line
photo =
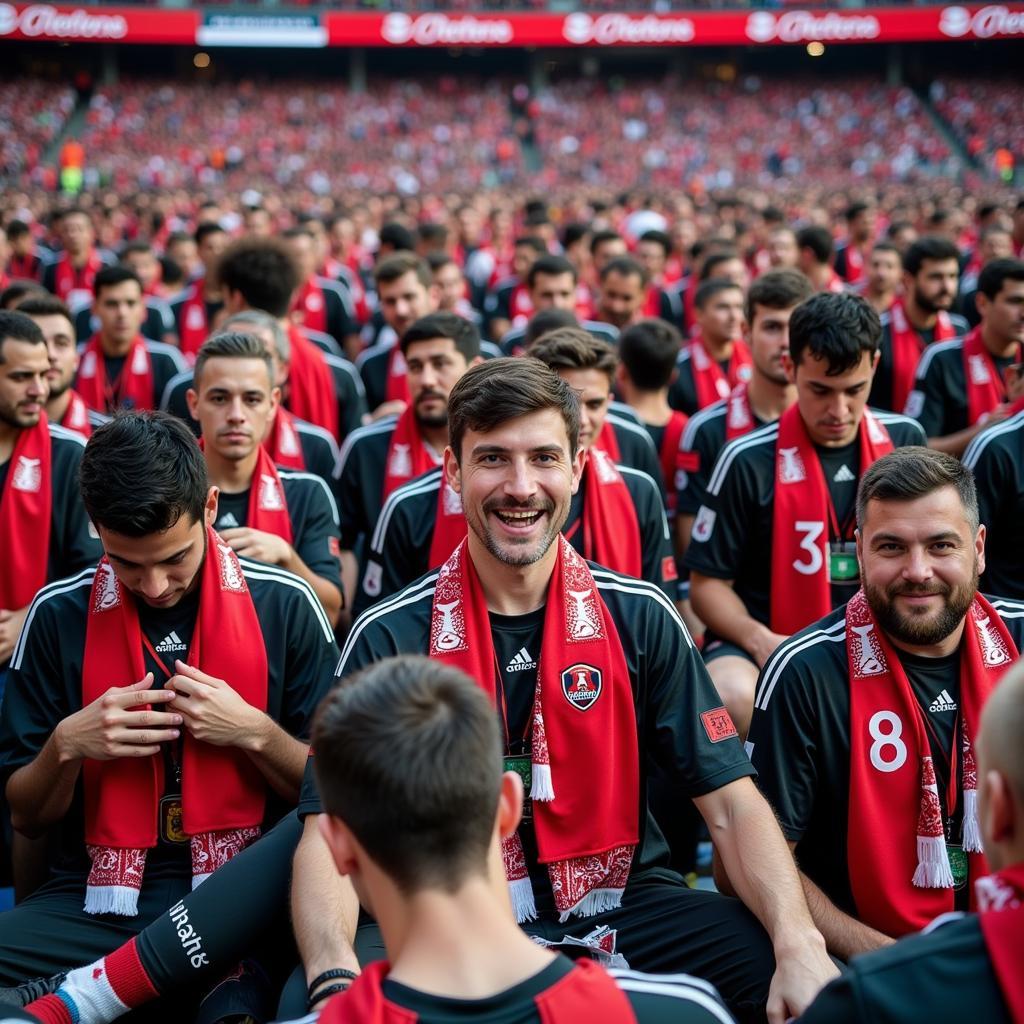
[(923, 628), (13, 417), (431, 420), (934, 305), (511, 552)]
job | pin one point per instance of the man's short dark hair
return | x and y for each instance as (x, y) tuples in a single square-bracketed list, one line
[(44, 304), (994, 276), (397, 236), (398, 264), (232, 345), (408, 756), (499, 390), (573, 348), (130, 248), (573, 232), (778, 289), (141, 473), (836, 327), (659, 237), (12, 295), (649, 350), (855, 209), (263, 271), (534, 242), (719, 254), (551, 265), (708, 289), (928, 247), (625, 266), (545, 321), (17, 229), (111, 277), (433, 234), (438, 258), (207, 228), (17, 326), (444, 325), (914, 472), (887, 247), (598, 238), (819, 240)]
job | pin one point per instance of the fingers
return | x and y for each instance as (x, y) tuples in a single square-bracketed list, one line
[(143, 737), (233, 533), (191, 672), (135, 697), (144, 683), (151, 719)]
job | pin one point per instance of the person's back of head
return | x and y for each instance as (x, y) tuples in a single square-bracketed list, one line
[(545, 321), (817, 240), (408, 757), (573, 348), (648, 351), (835, 327), (142, 472), (263, 271)]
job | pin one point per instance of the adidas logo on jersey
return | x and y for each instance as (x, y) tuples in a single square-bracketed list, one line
[(944, 702), (227, 522), (170, 644), (844, 476), (521, 662)]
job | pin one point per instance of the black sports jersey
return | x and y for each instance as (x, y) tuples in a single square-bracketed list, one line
[(74, 543), (939, 399), (735, 542), (339, 311), (513, 341), (881, 386), (703, 438), (996, 457), (159, 320), (942, 974), (166, 363), (400, 545), (636, 449), (177, 304), (682, 392), (44, 683), (653, 998), (372, 364), (799, 739), (671, 687), (313, 515)]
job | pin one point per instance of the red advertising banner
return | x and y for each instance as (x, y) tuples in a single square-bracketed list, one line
[(62, 23)]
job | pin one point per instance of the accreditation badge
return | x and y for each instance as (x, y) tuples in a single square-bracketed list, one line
[(958, 864), (522, 765), (172, 828), (842, 562)]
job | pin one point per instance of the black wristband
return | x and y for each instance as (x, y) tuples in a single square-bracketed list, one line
[(335, 972), (325, 992)]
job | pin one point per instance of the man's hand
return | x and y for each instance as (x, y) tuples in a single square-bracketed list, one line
[(800, 974), (393, 407), (763, 643), (10, 627), (109, 727), (264, 547), (215, 713)]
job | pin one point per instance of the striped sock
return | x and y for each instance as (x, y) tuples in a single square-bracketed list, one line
[(99, 993)]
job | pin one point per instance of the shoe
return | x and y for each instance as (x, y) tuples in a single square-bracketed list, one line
[(29, 991)]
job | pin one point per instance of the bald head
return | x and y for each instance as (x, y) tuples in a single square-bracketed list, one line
[(1001, 771)]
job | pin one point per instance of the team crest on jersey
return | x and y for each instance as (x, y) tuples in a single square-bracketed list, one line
[(718, 724), (868, 655), (271, 499), (230, 572), (108, 592), (791, 466), (581, 685), (401, 460), (372, 578), (915, 404), (704, 524), (28, 475)]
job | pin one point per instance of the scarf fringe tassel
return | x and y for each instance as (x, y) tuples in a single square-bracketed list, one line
[(597, 901), (972, 830), (521, 893), (541, 786), (933, 870), (122, 900)]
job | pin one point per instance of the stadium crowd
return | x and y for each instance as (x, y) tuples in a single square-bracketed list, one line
[(620, 521)]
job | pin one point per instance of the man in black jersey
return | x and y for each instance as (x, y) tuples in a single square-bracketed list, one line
[(962, 967), (884, 273), (963, 386), (622, 292), (917, 318), (145, 486), (198, 306), (753, 403), (46, 533), (737, 535), (848, 710), (514, 457), (996, 458), (409, 765), (265, 513)]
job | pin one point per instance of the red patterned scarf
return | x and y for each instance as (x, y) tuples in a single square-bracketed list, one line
[(311, 305), (586, 781), (76, 416), (739, 415), (25, 507), (268, 509), (587, 993), (311, 392), (1001, 907), (71, 284), (611, 532), (408, 455), (194, 329), (396, 385), (222, 792), (900, 874), (800, 591), (133, 388), (607, 441), (283, 443), (711, 384), (907, 347), (986, 389)]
